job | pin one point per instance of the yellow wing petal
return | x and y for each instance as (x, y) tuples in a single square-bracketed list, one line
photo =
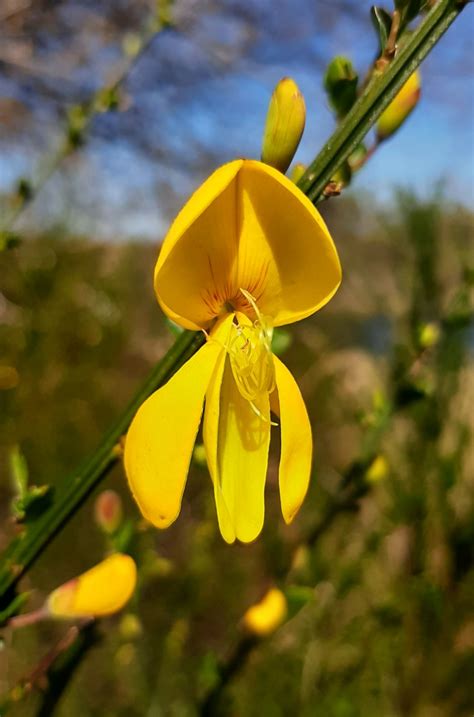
[(198, 253), (161, 437), (296, 442)]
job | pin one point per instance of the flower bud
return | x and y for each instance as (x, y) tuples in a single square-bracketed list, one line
[(284, 125), (267, 615), (102, 590), (343, 175), (108, 511), (399, 108), (340, 83)]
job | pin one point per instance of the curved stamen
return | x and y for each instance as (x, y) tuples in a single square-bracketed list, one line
[(251, 358)]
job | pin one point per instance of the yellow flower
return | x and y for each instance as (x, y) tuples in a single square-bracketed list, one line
[(102, 590), (267, 615), (248, 252)]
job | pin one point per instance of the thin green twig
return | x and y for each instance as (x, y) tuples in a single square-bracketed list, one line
[(73, 491)]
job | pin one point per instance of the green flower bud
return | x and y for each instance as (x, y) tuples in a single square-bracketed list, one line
[(284, 125), (340, 83), (342, 175)]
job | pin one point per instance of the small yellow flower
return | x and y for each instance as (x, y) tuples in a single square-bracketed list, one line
[(248, 252), (102, 590), (267, 615)]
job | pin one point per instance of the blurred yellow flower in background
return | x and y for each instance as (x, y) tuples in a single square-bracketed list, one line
[(266, 616), (102, 590), (248, 252)]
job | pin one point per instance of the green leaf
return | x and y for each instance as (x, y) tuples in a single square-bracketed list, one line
[(408, 10), (340, 83), (297, 597), (33, 503), (382, 21)]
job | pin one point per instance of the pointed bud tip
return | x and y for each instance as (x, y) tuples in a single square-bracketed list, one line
[(284, 125)]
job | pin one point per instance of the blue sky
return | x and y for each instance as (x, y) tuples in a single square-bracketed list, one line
[(204, 103)]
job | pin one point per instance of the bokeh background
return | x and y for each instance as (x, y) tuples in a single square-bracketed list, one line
[(380, 561)]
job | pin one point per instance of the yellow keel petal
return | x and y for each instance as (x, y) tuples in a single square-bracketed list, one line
[(237, 442), (296, 442), (161, 437)]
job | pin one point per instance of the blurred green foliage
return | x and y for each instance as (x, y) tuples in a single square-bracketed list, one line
[(386, 589)]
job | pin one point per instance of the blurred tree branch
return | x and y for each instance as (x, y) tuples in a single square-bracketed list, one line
[(79, 120)]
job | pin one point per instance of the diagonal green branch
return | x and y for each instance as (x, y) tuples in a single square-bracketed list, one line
[(73, 491), (378, 94)]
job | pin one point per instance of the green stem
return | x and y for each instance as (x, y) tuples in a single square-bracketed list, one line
[(72, 493), (378, 94)]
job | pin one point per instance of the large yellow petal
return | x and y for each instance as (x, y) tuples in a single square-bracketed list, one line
[(296, 442), (198, 254), (249, 227), (287, 259), (161, 437)]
